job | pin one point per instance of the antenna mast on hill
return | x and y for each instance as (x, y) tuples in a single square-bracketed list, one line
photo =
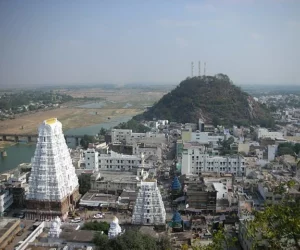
[(199, 65), (192, 69), (204, 68)]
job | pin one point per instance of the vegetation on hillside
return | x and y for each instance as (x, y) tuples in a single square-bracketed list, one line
[(221, 240), (130, 240), (278, 224), (136, 126), (215, 99)]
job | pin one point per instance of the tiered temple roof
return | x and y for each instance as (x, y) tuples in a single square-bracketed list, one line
[(149, 208), (53, 176)]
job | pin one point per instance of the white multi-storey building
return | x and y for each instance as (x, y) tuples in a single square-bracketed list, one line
[(196, 160), (112, 161), (206, 137), (149, 208), (128, 137), (147, 150), (91, 159), (272, 152), (202, 137), (265, 133), (161, 123), (6, 200), (53, 183)]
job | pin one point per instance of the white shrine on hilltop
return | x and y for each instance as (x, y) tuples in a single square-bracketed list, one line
[(149, 208), (53, 183), (114, 228)]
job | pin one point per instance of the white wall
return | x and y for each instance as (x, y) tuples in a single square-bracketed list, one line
[(264, 133), (6, 200), (206, 137), (271, 152), (91, 159)]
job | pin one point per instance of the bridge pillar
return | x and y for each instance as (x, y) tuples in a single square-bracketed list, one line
[(4, 138), (16, 138), (29, 139)]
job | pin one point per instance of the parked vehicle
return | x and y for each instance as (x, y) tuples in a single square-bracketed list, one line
[(98, 216), (75, 221)]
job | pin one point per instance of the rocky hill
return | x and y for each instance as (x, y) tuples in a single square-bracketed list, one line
[(215, 99)]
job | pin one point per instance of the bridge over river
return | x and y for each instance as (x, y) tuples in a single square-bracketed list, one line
[(33, 137)]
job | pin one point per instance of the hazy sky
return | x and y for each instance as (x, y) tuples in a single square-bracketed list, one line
[(58, 42)]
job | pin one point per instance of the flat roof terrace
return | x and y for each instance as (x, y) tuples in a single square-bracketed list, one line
[(97, 199)]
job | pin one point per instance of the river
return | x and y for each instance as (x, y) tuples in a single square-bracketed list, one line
[(22, 152)]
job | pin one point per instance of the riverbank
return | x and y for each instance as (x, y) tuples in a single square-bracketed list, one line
[(70, 117), (5, 144)]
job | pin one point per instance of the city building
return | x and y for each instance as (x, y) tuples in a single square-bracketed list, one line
[(91, 159), (53, 184), (96, 200), (202, 137), (6, 200), (109, 182), (147, 149), (112, 161), (265, 133), (126, 136), (149, 208), (196, 160), (200, 197), (8, 230)]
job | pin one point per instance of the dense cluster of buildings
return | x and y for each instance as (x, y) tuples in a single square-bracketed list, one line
[(217, 174)]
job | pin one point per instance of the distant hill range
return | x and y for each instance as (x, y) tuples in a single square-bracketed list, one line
[(215, 99)]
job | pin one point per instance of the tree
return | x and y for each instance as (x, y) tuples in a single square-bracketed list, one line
[(84, 183), (225, 145), (131, 239), (84, 142), (221, 241), (96, 226), (278, 224), (102, 131), (297, 148)]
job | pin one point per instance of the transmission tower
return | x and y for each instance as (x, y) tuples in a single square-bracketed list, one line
[(192, 69)]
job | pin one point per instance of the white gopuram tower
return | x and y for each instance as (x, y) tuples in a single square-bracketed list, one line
[(149, 208), (53, 184)]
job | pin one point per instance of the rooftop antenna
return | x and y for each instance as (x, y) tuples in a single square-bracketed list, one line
[(192, 68), (204, 68), (199, 65)]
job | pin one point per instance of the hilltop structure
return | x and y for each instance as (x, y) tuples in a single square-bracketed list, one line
[(149, 208), (53, 184)]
